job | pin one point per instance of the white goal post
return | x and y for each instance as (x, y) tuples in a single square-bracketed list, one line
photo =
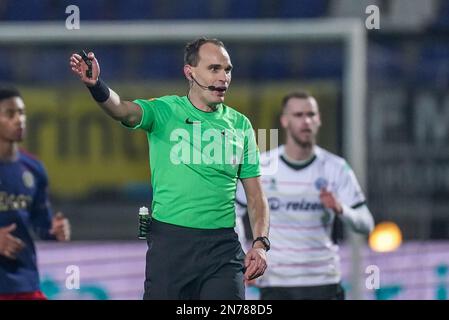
[(351, 32)]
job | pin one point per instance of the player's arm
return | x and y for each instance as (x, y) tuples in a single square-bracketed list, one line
[(349, 202), (359, 218), (60, 227), (255, 261), (257, 207), (242, 219), (46, 226), (125, 111), (10, 245)]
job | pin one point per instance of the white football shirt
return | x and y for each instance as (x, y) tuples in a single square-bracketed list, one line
[(302, 251)]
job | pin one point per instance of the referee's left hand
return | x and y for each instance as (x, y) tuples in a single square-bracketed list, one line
[(255, 263)]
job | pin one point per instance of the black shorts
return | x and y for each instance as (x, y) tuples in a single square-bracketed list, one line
[(187, 263), (323, 292)]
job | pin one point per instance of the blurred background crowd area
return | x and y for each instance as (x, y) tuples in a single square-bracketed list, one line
[(99, 171), (410, 47)]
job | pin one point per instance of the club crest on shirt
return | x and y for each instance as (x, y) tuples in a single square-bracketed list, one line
[(28, 179), (321, 183)]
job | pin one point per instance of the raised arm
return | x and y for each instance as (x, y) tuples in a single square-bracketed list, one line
[(125, 111)]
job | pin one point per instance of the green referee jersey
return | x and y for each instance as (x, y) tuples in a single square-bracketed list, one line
[(196, 158)]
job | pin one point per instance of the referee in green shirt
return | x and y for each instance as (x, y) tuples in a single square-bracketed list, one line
[(199, 148)]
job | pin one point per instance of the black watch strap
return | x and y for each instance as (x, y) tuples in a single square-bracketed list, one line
[(265, 241)]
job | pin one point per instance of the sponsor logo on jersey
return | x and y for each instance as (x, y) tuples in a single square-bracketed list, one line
[(300, 205), (14, 202)]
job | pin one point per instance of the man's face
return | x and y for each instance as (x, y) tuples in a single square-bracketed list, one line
[(213, 69), (12, 120), (301, 120)]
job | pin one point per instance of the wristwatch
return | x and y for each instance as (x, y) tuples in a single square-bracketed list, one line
[(265, 241)]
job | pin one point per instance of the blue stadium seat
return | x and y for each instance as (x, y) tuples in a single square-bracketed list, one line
[(112, 61), (271, 63), (135, 9), (6, 66), (30, 10), (433, 64), (48, 65), (191, 9), (161, 63), (303, 8), (386, 61), (323, 61), (238, 9)]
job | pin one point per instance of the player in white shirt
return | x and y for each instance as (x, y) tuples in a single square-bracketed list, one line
[(306, 187)]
